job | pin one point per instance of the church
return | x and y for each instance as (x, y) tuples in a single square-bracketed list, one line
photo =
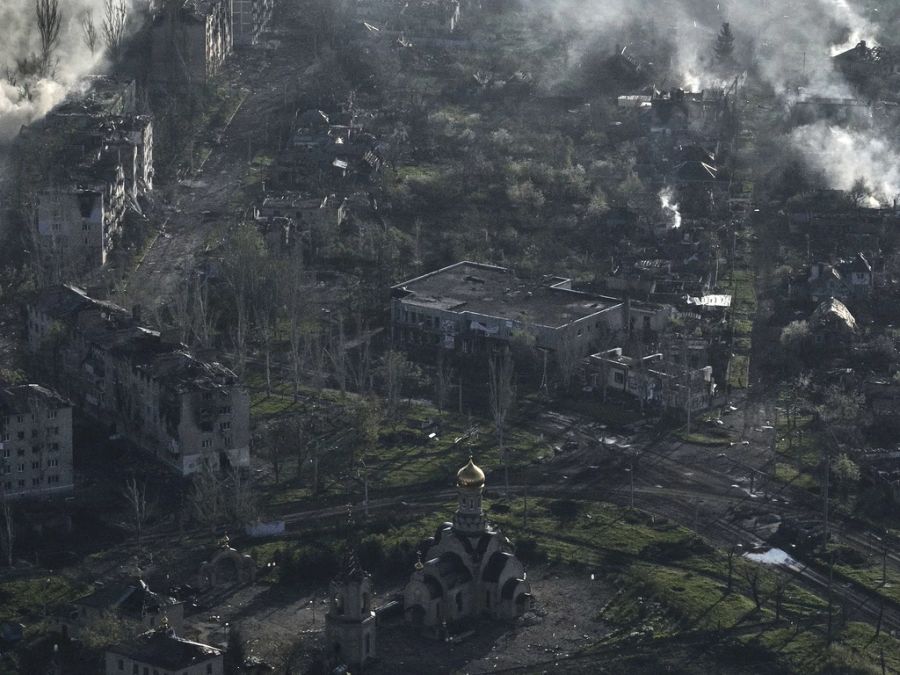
[(467, 569)]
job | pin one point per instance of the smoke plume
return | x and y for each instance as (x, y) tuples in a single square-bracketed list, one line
[(670, 207), (25, 97)]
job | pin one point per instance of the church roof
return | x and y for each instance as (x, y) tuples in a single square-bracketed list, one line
[(470, 475)]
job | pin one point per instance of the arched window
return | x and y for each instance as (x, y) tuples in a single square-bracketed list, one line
[(366, 602), (459, 602)]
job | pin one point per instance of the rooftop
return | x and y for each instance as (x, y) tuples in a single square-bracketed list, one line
[(164, 649), (21, 398), (495, 291)]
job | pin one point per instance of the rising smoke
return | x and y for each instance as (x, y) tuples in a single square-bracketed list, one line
[(23, 97), (789, 43)]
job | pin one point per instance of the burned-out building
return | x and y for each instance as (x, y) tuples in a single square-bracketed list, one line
[(35, 441), (249, 19), (470, 307), (654, 380), (190, 41), (186, 412)]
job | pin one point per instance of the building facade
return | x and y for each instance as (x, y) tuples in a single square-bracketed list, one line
[(35, 442), (350, 621), (188, 413)]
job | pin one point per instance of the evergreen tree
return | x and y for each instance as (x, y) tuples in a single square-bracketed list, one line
[(725, 44)]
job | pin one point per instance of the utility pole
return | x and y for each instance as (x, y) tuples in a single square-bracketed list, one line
[(827, 477), (830, 580), (525, 505)]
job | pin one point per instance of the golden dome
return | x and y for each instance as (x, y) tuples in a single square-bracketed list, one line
[(470, 476)]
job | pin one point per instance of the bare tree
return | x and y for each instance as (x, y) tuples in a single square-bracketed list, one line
[(49, 19), (337, 355), (203, 317), (115, 19), (443, 378), (89, 30), (568, 356), (503, 395), (206, 499), (242, 268), (241, 506), (394, 368), (7, 531), (138, 508), (751, 574)]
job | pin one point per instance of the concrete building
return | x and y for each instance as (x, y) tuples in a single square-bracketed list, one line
[(186, 412), (471, 306), (190, 42), (468, 569), (161, 652), (35, 442)]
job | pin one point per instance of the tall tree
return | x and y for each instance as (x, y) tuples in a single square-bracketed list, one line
[(115, 20), (138, 508), (502, 389), (89, 30), (724, 44), (49, 19)]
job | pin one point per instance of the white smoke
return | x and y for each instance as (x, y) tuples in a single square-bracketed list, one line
[(23, 99), (670, 207), (845, 155)]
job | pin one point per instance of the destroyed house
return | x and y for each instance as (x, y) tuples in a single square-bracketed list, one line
[(35, 441), (847, 280), (864, 61), (471, 306), (185, 412), (653, 380)]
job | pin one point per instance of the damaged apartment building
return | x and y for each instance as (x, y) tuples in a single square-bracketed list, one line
[(35, 441), (190, 40), (93, 158), (472, 307), (186, 412)]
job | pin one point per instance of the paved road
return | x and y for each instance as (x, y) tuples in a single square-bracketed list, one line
[(200, 204)]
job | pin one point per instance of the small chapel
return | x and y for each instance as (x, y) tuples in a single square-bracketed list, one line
[(467, 569)]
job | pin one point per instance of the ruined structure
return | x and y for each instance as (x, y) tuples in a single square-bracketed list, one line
[(35, 441), (467, 569), (470, 306), (653, 380), (186, 412)]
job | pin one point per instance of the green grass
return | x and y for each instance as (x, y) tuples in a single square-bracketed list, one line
[(18, 597), (739, 371), (698, 438)]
